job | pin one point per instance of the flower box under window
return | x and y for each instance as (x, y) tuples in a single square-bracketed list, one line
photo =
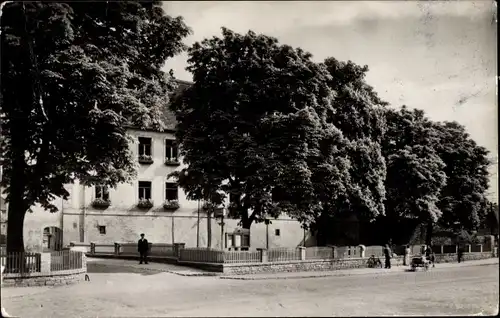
[(101, 203), (145, 204), (172, 162), (145, 159), (171, 205)]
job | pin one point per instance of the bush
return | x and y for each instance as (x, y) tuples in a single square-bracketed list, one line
[(101, 203), (145, 204), (171, 205), (145, 159)]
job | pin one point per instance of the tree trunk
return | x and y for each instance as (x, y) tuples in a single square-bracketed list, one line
[(428, 233), (15, 224), (209, 227)]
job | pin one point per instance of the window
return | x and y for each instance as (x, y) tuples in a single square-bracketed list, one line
[(102, 229), (171, 192), (144, 190), (101, 192), (277, 232), (170, 150), (144, 146)]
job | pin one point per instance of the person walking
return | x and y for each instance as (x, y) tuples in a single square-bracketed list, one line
[(388, 255), (143, 248), (406, 260), (460, 253), (429, 255)]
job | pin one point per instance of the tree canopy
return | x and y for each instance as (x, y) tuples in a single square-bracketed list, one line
[(246, 123), (349, 174), (464, 197), (278, 132), (74, 77)]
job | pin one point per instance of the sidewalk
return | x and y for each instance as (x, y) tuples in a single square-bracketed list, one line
[(351, 272)]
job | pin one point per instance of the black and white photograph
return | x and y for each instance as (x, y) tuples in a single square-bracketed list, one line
[(249, 158)]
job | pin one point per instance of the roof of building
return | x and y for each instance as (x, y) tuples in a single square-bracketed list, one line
[(168, 116)]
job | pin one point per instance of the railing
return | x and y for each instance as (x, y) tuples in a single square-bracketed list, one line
[(283, 254), (201, 255), (232, 257), (22, 263), (319, 252), (65, 260)]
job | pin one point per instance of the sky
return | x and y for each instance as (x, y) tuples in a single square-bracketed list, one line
[(439, 56)]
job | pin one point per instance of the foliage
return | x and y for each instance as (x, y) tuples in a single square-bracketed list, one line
[(101, 203), (415, 175), (146, 159), (171, 205), (145, 204), (74, 76), (349, 171), (463, 199), (246, 124)]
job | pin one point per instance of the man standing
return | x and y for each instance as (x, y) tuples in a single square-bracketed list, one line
[(388, 255), (143, 247), (460, 253)]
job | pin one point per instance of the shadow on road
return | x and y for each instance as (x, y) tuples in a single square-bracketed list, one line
[(106, 268)]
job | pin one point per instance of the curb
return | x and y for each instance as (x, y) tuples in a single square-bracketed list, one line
[(235, 277)]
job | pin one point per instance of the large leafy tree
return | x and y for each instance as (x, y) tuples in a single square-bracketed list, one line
[(463, 198), (248, 124), (415, 171), (74, 76), (349, 174)]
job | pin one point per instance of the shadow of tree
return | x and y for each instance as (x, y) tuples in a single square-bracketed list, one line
[(106, 268)]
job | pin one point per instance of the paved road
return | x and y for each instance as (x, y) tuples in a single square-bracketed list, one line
[(120, 290)]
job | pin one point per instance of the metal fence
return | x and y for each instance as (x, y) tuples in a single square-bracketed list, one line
[(282, 254), (65, 260), (201, 255), (319, 252), (232, 257), (22, 263)]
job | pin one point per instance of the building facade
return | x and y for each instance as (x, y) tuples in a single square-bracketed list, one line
[(152, 204)]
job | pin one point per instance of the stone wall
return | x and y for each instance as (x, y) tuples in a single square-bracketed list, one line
[(302, 266), (452, 257), (36, 279)]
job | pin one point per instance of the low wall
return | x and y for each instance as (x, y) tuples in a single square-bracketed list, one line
[(56, 268), (301, 266), (49, 279)]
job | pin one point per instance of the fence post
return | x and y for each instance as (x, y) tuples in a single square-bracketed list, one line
[(177, 249), (362, 250), (442, 249), (333, 251), (45, 261), (263, 255), (468, 248), (481, 248), (84, 261), (302, 253), (92, 248), (117, 248)]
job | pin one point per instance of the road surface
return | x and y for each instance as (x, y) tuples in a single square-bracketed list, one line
[(121, 291)]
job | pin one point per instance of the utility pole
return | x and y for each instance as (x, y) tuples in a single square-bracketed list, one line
[(267, 233), (198, 227)]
